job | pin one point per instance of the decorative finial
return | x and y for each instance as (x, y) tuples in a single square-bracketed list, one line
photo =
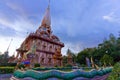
[(49, 1), (47, 19), (49, 4)]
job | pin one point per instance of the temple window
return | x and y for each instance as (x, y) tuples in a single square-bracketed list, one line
[(38, 44), (39, 30), (44, 46), (55, 49), (46, 55), (44, 29), (45, 35), (42, 60), (49, 61), (48, 31), (50, 48)]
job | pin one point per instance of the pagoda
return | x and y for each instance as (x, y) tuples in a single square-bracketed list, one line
[(47, 46), (69, 58)]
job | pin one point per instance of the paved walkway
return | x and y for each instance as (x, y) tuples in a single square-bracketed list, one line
[(5, 76), (101, 77)]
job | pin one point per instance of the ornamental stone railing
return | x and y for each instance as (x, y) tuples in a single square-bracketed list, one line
[(60, 74)]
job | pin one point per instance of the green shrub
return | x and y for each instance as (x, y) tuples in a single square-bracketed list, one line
[(37, 65), (8, 64), (68, 65), (12, 64), (53, 68), (83, 65), (56, 65), (4, 70), (87, 68), (21, 66), (115, 74)]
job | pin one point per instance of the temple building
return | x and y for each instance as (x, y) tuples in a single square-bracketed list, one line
[(44, 46)]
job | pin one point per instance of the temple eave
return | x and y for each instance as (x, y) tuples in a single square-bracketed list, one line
[(33, 35), (21, 50)]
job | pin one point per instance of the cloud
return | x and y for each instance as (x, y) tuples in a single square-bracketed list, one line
[(5, 22), (109, 17), (74, 47), (20, 25), (6, 31), (80, 24), (4, 42), (112, 17)]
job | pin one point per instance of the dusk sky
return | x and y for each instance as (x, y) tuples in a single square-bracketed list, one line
[(78, 23)]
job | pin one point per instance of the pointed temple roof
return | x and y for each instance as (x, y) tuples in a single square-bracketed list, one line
[(43, 32), (47, 18)]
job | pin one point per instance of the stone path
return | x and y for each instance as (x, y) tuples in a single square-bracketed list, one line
[(5, 76), (104, 77), (95, 78)]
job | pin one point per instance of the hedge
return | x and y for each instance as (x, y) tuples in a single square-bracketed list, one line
[(8, 64), (4, 70), (61, 68), (53, 68), (37, 65)]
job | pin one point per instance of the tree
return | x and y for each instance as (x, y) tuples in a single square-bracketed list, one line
[(81, 57), (64, 60), (115, 74), (106, 60), (110, 47), (74, 58), (4, 58)]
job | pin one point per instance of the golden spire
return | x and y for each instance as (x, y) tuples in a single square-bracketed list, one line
[(47, 18)]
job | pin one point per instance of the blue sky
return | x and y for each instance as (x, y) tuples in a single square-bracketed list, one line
[(78, 23)]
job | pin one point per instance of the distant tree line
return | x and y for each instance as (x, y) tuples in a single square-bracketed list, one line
[(4, 58), (106, 53)]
